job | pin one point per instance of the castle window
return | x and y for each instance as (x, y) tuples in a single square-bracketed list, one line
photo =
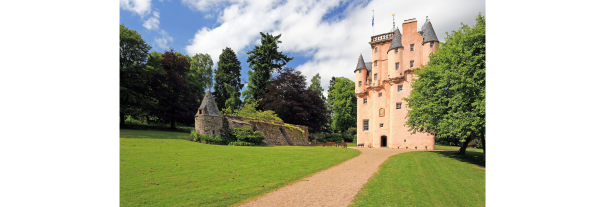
[(396, 66), (411, 64), (375, 49), (199, 111), (359, 83), (431, 44), (398, 106), (396, 50), (359, 71), (399, 88), (370, 81), (365, 101), (412, 47), (375, 76), (366, 125), (379, 94), (381, 125), (376, 63)]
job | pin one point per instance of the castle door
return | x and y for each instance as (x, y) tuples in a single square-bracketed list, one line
[(383, 141)]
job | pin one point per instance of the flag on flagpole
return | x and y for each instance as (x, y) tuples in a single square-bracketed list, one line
[(372, 20)]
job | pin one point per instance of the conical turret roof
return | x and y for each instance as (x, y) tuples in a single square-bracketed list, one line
[(360, 63), (396, 42), (209, 106), (428, 34)]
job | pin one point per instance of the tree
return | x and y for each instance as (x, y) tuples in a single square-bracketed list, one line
[(233, 102), (201, 74), (344, 104), (316, 86), (175, 100), (249, 110), (265, 60), (448, 98), (248, 94), (289, 97), (134, 75), (228, 71)]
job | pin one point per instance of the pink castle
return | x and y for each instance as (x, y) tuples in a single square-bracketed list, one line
[(381, 85)]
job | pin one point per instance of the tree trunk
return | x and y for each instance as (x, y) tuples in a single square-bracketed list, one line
[(122, 121), (173, 124), (483, 144), (462, 150), (147, 120)]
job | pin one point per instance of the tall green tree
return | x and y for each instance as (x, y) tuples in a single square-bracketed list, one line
[(134, 74), (265, 60), (200, 74), (227, 72), (448, 98), (248, 94), (233, 102), (344, 104), (316, 86)]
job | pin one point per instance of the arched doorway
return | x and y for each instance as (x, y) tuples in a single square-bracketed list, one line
[(383, 141)]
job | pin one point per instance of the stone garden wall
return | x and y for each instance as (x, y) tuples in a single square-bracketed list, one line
[(276, 133)]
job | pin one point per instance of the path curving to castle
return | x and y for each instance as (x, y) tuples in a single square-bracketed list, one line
[(335, 186)]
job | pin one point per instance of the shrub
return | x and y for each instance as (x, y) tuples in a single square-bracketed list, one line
[(240, 143), (246, 134), (194, 136), (210, 139)]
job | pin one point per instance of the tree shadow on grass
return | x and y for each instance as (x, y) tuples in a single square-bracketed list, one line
[(476, 158)]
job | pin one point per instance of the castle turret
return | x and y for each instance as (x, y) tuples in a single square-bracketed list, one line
[(208, 119), (394, 56), (361, 74), (430, 42)]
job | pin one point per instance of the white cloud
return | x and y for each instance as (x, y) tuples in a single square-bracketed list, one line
[(141, 7), (333, 45), (164, 41), (153, 23)]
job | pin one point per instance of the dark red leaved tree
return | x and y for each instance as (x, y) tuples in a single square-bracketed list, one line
[(288, 96)]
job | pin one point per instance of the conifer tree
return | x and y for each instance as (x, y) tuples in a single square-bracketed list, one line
[(228, 71), (265, 60)]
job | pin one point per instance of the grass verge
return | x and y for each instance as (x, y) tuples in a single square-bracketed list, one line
[(161, 168), (426, 179)]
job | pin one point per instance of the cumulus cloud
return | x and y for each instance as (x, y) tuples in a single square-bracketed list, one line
[(140, 7), (153, 23), (311, 28), (164, 41)]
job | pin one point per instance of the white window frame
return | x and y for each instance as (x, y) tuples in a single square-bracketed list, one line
[(379, 94), (411, 47), (365, 101), (411, 64), (396, 50), (375, 76), (398, 106), (399, 88), (366, 125), (381, 125), (396, 66)]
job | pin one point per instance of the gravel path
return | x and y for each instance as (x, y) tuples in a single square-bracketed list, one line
[(335, 186)]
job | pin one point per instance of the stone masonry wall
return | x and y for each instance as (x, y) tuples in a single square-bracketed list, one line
[(208, 124), (272, 132)]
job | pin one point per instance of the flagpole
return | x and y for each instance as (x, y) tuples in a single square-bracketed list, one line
[(372, 22)]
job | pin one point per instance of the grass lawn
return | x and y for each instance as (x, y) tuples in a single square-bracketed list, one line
[(161, 168), (427, 179)]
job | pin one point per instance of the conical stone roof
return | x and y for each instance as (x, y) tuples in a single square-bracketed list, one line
[(396, 42), (360, 63), (209, 106), (428, 34)]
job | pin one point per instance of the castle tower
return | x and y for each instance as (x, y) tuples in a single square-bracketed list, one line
[(429, 40), (208, 119), (394, 57), (361, 73)]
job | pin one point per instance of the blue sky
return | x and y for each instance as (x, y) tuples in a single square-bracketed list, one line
[(323, 36)]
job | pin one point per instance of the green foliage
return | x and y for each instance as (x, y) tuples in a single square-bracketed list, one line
[(246, 134), (449, 97), (201, 74), (344, 103), (227, 72), (331, 137), (316, 86), (295, 128), (135, 93), (196, 137), (264, 60), (240, 143), (249, 110), (212, 139), (233, 103)]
